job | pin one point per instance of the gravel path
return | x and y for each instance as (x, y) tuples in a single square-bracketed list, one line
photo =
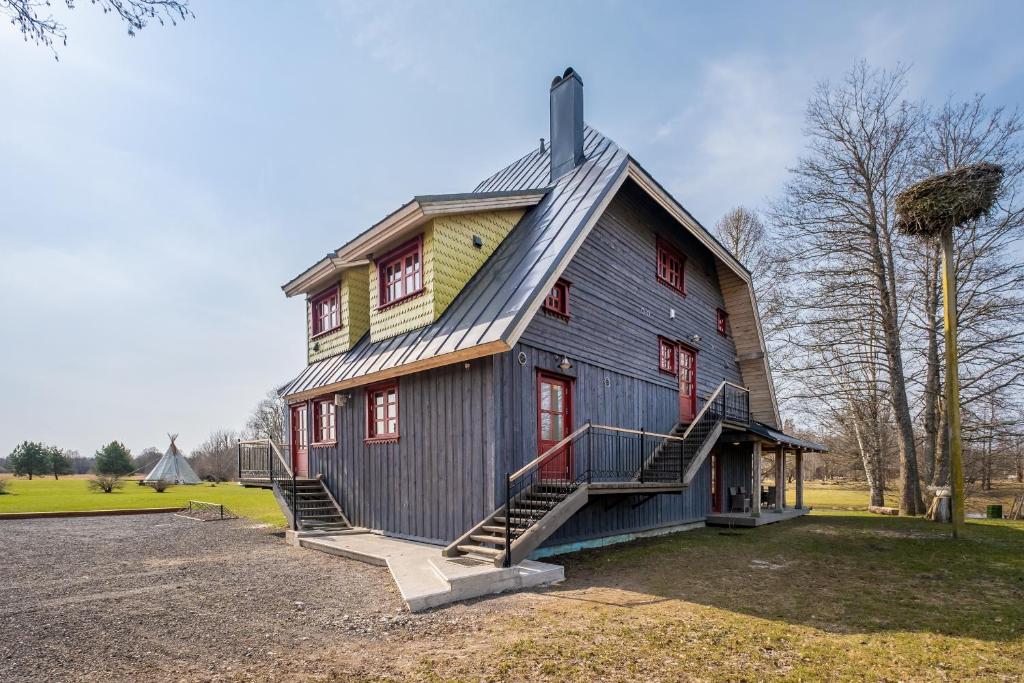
[(158, 597)]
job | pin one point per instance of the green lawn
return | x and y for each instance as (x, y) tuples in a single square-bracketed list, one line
[(836, 595), (73, 494), (854, 495)]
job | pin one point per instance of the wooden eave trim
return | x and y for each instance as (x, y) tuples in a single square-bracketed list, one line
[(480, 351), (407, 218), (656, 192)]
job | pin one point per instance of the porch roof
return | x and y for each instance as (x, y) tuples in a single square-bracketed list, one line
[(779, 437)]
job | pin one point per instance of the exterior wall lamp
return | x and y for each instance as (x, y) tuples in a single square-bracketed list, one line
[(564, 364), (341, 400)]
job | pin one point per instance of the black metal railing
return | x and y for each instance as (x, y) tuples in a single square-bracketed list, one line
[(604, 454), (261, 459), (257, 460)]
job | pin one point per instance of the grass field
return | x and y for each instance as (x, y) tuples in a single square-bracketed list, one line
[(846, 495), (73, 494), (831, 596)]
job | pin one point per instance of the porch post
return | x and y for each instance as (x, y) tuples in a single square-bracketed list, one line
[(755, 480), (780, 478), (799, 479)]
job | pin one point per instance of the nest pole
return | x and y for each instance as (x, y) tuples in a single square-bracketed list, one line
[(956, 468)]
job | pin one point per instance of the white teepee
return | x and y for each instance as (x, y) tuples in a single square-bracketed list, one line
[(173, 467)]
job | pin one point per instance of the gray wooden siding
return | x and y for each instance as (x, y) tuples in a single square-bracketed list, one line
[(619, 308), (626, 401), (429, 485), (736, 463)]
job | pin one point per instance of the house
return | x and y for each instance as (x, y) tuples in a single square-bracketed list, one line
[(565, 336)]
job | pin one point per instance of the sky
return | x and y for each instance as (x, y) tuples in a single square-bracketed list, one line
[(156, 191)]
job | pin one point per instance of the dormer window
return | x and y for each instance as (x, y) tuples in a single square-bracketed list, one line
[(557, 300), (400, 272), (671, 266), (326, 311)]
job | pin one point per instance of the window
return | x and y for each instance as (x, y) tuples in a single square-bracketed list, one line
[(324, 421), (382, 412), (557, 301), (670, 267), (723, 323), (667, 356), (400, 272), (326, 312)]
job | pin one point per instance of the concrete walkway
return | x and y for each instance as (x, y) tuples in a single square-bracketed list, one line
[(425, 578)]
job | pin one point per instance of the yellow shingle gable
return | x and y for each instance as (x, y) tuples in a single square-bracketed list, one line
[(355, 318), (450, 259)]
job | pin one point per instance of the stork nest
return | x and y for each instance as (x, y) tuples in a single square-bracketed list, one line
[(948, 199)]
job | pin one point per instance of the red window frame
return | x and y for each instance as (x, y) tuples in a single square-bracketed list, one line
[(668, 356), (722, 322), (326, 319), (325, 422), (378, 428), (671, 267), (400, 273), (557, 300)]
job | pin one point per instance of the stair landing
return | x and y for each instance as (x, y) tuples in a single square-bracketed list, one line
[(425, 578)]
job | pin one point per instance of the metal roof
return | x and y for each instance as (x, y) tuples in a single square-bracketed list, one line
[(778, 436), (492, 307)]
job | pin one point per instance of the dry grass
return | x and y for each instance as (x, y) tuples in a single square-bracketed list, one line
[(842, 596)]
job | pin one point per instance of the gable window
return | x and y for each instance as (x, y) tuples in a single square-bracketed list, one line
[(557, 300), (671, 267), (400, 273), (325, 430), (382, 412), (667, 355), (326, 311), (723, 322)]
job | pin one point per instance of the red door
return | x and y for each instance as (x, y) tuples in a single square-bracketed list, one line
[(687, 384), (300, 441), (554, 423)]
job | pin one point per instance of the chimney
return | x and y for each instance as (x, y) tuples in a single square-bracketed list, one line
[(566, 123)]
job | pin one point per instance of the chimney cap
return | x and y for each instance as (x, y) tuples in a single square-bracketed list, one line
[(569, 73)]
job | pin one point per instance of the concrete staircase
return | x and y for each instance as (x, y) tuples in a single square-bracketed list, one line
[(313, 505)]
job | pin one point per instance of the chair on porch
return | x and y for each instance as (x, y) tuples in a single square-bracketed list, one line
[(738, 500), (768, 497)]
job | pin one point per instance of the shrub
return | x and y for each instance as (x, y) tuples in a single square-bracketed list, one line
[(105, 483), (3, 486), (159, 485)]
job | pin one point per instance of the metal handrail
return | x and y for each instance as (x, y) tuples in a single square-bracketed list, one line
[(710, 402), (273, 446), (548, 453)]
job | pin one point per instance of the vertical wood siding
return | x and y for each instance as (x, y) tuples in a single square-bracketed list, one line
[(429, 485), (619, 309)]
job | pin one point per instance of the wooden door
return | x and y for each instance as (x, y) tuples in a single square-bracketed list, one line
[(300, 441), (554, 423), (687, 384)]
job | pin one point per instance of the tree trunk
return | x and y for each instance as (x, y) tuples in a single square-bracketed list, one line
[(932, 387), (871, 459), (911, 502), (941, 476)]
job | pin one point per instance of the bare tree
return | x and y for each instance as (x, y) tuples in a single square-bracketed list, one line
[(837, 217), (216, 458), (44, 29), (990, 280), (749, 239), (267, 418)]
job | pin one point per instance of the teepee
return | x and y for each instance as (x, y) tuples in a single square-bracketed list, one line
[(173, 467)]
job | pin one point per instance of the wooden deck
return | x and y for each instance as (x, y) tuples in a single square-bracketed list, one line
[(631, 487), (768, 516)]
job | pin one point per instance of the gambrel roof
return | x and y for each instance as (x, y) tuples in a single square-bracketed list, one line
[(491, 312)]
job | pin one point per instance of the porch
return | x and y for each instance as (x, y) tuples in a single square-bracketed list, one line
[(741, 496)]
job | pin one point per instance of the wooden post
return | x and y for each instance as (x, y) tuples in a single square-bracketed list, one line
[(780, 478), (799, 479), (755, 480), (956, 468)]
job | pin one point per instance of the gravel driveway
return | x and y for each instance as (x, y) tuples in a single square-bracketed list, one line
[(158, 597)]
